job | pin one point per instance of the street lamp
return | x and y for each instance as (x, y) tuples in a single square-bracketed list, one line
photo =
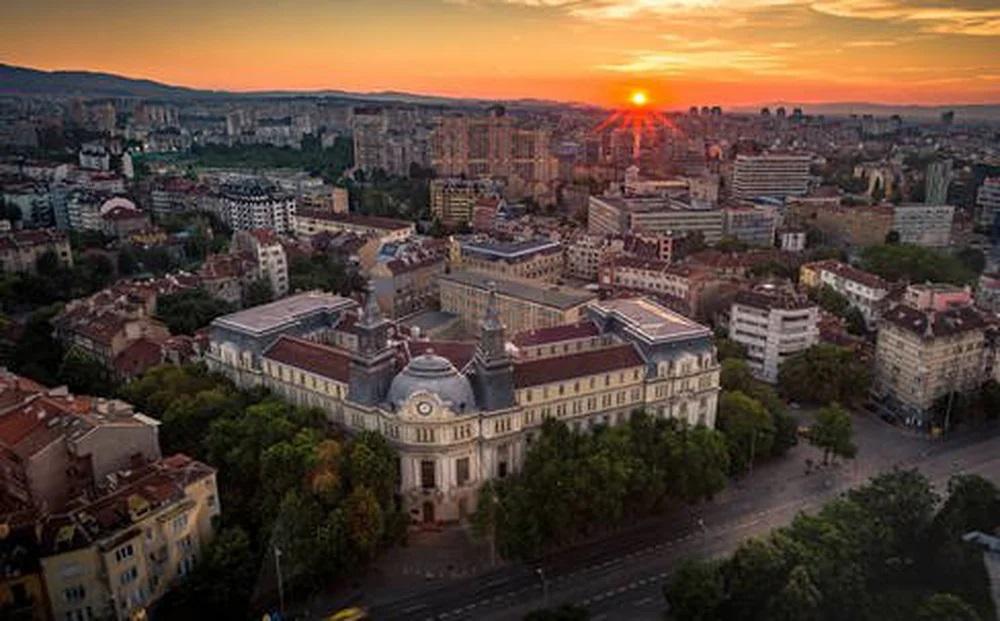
[(281, 587), (545, 585)]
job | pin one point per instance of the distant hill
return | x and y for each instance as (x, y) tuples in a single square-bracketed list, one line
[(24, 81)]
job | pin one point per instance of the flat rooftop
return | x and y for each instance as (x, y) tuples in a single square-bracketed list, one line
[(650, 320), (266, 317), (510, 250), (544, 294)]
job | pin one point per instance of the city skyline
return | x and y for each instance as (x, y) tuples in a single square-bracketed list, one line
[(681, 52)]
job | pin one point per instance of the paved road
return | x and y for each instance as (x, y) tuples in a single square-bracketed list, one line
[(621, 576)]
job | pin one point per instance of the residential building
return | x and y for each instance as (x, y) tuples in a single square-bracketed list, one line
[(586, 253), (862, 290), (20, 250), (618, 215), (923, 224), (408, 284), (264, 247), (492, 146), (114, 556), (57, 447), (773, 175), (523, 304), (855, 226), (104, 325), (256, 204), (988, 202), (792, 239), (676, 282), (460, 414), (120, 218), (772, 324), (988, 292), (752, 225), (937, 296), (923, 353), (454, 200), (937, 181), (389, 230), (530, 259)]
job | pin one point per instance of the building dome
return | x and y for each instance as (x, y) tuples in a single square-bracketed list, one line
[(436, 375)]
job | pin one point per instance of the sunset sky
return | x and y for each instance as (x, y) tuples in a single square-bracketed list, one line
[(682, 52)]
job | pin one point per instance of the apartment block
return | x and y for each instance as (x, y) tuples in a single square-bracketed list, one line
[(772, 324)]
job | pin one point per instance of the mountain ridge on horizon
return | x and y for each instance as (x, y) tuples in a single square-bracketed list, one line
[(16, 80)]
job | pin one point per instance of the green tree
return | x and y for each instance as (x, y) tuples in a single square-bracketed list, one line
[(188, 311), (946, 607), (833, 432), (221, 584), (748, 428), (728, 348), (258, 292), (914, 264), (972, 258), (824, 374), (364, 520), (695, 592), (85, 375)]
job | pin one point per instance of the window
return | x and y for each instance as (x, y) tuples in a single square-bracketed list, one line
[(427, 480), (179, 523), (129, 575), (74, 594), (124, 552), (462, 470)]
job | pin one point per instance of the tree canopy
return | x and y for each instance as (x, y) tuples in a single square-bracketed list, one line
[(187, 311), (327, 502), (573, 483), (914, 264), (824, 374), (872, 554)]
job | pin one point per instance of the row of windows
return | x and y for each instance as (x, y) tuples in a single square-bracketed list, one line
[(562, 388)]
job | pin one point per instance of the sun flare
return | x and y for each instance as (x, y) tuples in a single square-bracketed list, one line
[(639, 98)]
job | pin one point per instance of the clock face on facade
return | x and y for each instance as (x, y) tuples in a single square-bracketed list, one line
[(424, 408)]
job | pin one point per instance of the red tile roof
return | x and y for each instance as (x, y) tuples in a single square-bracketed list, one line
[(458, 353), (140, 355), (548, 370), (315, 358), (555, 334)]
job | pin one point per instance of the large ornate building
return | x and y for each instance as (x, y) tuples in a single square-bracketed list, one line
[(459, 413)]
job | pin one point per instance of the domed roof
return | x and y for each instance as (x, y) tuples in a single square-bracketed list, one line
[(435, 375)]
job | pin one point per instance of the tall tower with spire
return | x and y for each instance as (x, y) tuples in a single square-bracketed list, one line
[(494, 369), (372, 366)]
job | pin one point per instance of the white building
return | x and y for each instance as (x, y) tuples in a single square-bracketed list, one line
[(923, 225), (988, 202), (256, 204), (265, 248), (863, 290), (775, 175), (772, 325)]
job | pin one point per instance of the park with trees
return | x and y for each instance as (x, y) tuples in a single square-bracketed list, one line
[(889, 550), (286, 482)]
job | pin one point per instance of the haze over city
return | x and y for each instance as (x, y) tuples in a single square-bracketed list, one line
[(730, 52)]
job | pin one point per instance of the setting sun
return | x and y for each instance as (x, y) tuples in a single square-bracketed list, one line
[(639, 98)]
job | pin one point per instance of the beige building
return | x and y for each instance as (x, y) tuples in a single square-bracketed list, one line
[(408, 285), (862, 290), (922, 354), (454, 200), (586, 253), (523, 305), (264, 248), (114, 557), (492, 146), (464, 413), (534, 259), (20, 251), (389, 230), (771, 174), (617, 215)]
